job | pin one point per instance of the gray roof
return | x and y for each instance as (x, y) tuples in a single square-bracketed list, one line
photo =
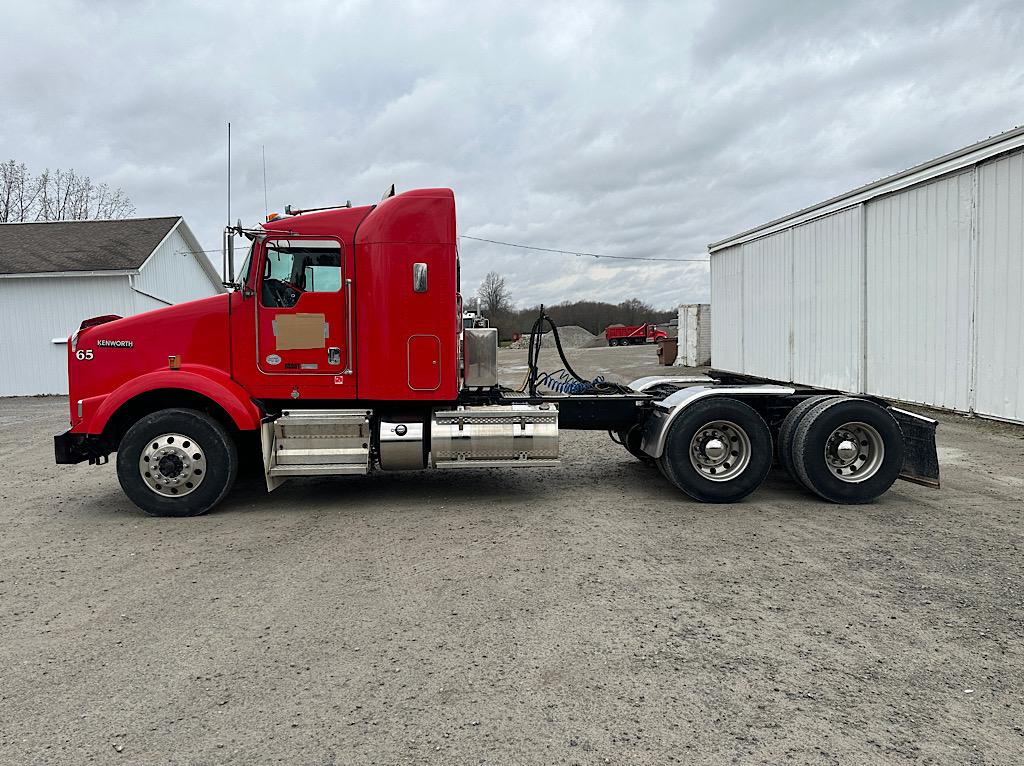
[(30, 248)]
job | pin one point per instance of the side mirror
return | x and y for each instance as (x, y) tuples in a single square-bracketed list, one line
[(229, 259)]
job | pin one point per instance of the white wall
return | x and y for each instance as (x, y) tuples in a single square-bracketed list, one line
[(34, 311), (919, 293), (916, 295), (727, 302), (828, 299), (1000, 288), (694, 336), (173, 274), (788, 305), (767, 300)]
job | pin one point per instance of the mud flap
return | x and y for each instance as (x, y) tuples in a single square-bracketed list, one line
[(921, 462)]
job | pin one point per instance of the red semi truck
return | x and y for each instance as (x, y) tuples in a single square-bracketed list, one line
[(633, 335), (339, 349)]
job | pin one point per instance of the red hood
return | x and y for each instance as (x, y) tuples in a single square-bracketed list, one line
[(104, 356)]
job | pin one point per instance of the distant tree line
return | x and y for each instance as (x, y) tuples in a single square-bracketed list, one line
[(56, 195), (494, 301)]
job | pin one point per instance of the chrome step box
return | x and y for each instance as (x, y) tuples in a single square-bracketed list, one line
[(315, 443)]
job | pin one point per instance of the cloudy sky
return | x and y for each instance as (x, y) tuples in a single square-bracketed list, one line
[(632, 129)]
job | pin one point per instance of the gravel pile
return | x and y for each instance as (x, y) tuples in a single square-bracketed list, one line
[(572, 336)]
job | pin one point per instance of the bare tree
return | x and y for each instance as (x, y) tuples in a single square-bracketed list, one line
[(634, 311), (18, 192), (58, 195), (493, 295)]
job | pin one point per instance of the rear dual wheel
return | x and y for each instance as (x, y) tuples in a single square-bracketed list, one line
[(718, 450), (845, 450)]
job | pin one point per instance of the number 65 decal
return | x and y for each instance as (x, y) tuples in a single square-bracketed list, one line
[(83, 355)]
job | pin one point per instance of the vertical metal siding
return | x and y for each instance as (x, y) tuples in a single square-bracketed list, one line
[(727, 300), (694, 336), (915, 296), (34, 311), (704, 334), (173, 273), (1000, 279), (828, 301), (768, 306), (918, 287)]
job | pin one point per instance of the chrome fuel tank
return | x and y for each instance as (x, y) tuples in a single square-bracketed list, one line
[(492, 436)]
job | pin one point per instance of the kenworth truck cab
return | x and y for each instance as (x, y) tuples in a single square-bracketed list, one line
[(340, 349)]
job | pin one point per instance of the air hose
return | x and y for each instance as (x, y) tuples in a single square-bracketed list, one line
[(565, 380)]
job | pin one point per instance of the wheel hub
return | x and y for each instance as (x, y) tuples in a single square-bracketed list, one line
[(720, 450), (715, 449), (854, 452), (846, 450), (172, 465)]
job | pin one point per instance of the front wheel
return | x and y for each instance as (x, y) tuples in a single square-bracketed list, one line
[(176, 462), (718, 450)]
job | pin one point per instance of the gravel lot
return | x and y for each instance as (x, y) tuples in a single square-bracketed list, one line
[(589, 614)]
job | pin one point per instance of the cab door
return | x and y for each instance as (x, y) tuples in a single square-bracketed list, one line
[(303, 317)]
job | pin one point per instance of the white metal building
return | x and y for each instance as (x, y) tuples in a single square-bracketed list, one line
[(911, 287), (694, 335), (54, 275)]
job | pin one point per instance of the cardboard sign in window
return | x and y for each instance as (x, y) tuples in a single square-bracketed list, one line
[(300, 331)]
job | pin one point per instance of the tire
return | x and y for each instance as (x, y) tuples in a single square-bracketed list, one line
[(696, 429), (195, 462), (856, 422), (788, 429), (631, 441)]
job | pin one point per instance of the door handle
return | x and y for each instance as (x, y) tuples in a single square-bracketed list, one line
[(334, 355), (348, 328)]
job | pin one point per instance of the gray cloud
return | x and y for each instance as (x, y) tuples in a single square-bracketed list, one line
[(645, 129)]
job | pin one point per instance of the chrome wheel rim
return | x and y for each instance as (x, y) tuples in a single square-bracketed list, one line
[(720, 450), (172, 465), (854, 452)]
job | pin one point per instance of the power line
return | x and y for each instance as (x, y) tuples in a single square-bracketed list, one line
[(563, 252), (580, 254)]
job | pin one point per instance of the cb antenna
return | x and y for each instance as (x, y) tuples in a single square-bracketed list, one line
[(266, 206), (229, 238), (229, 174)]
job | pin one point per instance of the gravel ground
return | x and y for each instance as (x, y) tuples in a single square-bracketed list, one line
[(588, 614)]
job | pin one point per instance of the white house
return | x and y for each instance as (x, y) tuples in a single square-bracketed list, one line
[(53, 275)]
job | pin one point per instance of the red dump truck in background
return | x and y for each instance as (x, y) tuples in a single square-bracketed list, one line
[(626, 335)]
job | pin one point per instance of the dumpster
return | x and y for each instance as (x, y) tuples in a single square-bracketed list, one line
[(668, 350)]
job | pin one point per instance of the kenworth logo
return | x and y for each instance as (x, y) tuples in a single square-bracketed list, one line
[(115, 343)]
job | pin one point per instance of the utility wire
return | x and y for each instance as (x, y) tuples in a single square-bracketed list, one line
[(563, 252), (580, 254)]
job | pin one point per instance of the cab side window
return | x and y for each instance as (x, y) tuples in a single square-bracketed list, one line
[(294, 267)]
